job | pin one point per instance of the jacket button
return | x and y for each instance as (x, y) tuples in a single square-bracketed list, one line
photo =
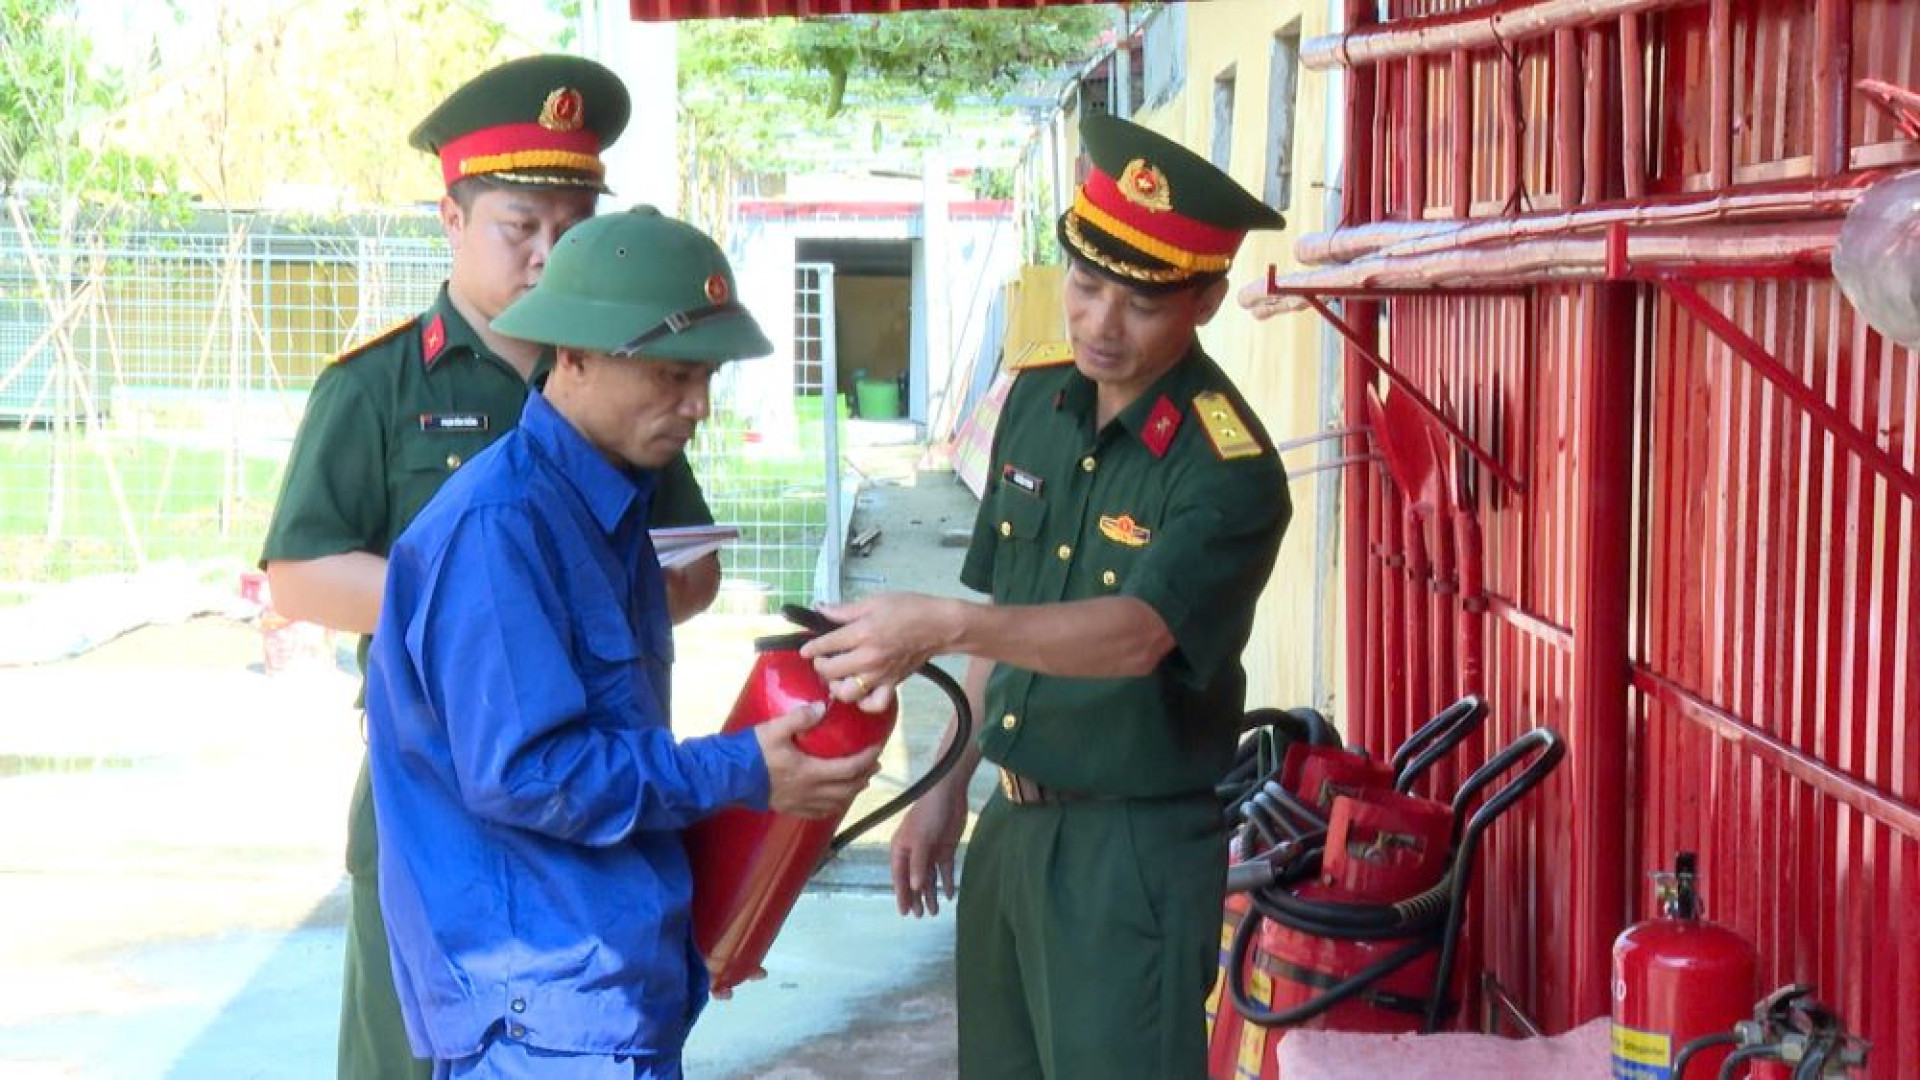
[(1089, 463), (1006, 528), (453, 461), (1009, 721), (1065, 552), (1109, 579), (519, 1005), (517, 1032)]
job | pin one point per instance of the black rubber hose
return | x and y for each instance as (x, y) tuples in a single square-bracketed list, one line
[(1815, 1061), (813, 624), (1745, 1054), (1703, 1043), (962, 732), (1419, 913), (1333, 995)]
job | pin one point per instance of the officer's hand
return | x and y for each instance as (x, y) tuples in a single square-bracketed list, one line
[(804, 785), (924, 847), (885, 639)]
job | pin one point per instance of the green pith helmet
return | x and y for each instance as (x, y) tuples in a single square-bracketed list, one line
[(540, 121), (1152, 214), (637, 283)]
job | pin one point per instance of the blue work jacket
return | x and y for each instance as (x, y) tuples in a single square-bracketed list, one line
[(529, 793)]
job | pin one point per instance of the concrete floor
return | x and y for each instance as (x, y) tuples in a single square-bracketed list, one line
[(171, 901)]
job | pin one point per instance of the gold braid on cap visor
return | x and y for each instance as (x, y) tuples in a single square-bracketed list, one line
[(532, 159), (1187, 261)]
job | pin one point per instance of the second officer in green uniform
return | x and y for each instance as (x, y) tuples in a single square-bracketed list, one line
[(1133, 512)]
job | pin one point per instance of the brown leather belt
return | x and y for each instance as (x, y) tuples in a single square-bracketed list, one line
[(1021, 791)]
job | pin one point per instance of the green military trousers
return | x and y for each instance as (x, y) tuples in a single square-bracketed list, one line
[(1088, 936), (373, 1037)]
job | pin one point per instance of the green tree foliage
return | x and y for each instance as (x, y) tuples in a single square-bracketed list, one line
[(320, 95), (60, 119), (769, 93)]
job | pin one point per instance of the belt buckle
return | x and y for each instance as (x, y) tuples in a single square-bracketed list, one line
[(1009, 787)]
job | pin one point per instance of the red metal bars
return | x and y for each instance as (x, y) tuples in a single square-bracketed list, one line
[(1360, 347), (1831, 420)]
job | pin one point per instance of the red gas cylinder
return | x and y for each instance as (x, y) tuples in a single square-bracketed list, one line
[(1675, 979), (750, 865)]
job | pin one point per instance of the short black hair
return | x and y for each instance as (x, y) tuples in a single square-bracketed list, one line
[(469, 188)]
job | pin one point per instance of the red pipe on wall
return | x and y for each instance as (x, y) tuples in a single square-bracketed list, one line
[(1357, 206), (1602, 623), (1402, 238), (1484, 27)]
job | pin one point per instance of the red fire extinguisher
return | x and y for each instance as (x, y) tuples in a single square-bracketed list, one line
[(750, 865), (1675, 979)]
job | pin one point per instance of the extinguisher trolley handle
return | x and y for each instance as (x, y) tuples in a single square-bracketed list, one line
[(1435, 739), (1542, 750)]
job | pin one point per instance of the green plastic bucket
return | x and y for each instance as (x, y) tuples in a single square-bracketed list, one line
[(879, 399)]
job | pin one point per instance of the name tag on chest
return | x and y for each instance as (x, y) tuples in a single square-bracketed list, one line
[(453, 421)]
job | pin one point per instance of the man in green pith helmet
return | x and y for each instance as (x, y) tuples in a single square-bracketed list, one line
[(388, 423), (1133, 511), (530, 790)]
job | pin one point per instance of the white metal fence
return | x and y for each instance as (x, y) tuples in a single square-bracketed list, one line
[(151, 383)]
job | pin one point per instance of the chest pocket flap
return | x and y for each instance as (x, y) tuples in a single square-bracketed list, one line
[(1021, 515)]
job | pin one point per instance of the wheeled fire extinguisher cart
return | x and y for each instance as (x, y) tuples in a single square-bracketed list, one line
[(1355, 909), (750, 865)]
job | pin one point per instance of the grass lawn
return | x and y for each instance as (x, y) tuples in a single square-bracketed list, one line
[(103, 506)]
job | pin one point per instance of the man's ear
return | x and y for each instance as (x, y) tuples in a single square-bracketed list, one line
[(1207, 304), (453, 221)]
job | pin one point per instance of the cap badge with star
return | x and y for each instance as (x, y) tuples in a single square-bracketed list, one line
[(540, 121), (1152, 214)]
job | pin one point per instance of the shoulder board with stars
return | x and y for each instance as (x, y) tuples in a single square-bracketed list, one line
[(1229, 434), (380, 338), (1043, 354)]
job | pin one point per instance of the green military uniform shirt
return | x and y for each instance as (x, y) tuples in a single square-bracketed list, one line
[(1180, 502), (385, 426)]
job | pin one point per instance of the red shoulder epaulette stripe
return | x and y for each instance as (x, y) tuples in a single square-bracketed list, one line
[(383, 336)]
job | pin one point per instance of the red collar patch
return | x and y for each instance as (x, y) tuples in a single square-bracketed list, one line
[(432, 340), (1163, 423)]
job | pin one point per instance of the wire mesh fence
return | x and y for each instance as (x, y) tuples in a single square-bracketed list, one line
[(151, 383)]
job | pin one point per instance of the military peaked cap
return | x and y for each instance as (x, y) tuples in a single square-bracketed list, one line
[(537, 121), (1153, 214)]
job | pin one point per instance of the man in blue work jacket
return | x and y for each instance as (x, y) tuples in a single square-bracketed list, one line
[(529, 790)]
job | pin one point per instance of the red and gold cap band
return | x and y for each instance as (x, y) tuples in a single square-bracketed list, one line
[(510, 148), (1166, 235)]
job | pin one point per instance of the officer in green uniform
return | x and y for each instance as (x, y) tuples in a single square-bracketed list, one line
[(390, 420), (1133, 513)]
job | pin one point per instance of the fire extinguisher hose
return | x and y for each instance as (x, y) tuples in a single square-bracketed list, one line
[(1354, 984), (962, 731), (814, 624), (1704, 1042)]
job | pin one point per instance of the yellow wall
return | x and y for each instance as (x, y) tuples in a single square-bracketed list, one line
[(1275, 363)]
